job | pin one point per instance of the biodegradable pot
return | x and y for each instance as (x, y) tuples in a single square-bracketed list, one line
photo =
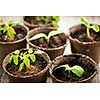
[(74, 59), (31, 26), (7, 47), (39, 77), (52, 52), (92, 49)]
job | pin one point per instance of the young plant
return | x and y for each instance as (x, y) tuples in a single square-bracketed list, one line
[(8, 29), (43, 35), (55, 20), (23, 59), (49, 19), (76, 69), (95, 27)]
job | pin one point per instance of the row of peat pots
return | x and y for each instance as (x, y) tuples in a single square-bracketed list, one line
[(44, 55)]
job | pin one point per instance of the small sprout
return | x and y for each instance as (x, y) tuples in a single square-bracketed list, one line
[(95, 27), (14, 57), (8, 28), (16, 52), (43, 35), (30, 50), (77, 70), (38, 52), (23, 59), (53, 20)]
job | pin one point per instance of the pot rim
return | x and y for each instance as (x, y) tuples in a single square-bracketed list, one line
[(10, 74), (38, 47), (17, 41), (76, 40), (74, 54)]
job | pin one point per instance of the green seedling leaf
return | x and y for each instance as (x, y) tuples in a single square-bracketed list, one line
[(53, 33), (11, 33), (30, 50), (27, 55), (21, 54), (40, 35), (85, 22), (12, 30), (67, 67), (13, 23), (1, 28), (56, 18), (44, 19), (11, 36), (21, 66), (10, 22), (15, 59), (38, 52), (95, 27), (62, 66), (27, 62), (77, 70), (37, 18), (6, 27), (10, 59), (33, 58), (24, 58), (16, 52), (24, 54), (54, 23)]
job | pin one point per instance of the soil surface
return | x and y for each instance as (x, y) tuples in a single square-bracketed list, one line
[(36, 67), (80, 34), (20, 33), (55, 41), (84, 63)]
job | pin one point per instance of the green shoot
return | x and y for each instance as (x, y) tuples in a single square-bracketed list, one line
[(8, 28), (23, 59), (53, 20), (43, 35), (85, 22), (77, 70)]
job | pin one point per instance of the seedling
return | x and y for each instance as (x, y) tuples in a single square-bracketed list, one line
[(76, 69), (49, 19), (23, 59), (8, 29), (43, 35), (55, 20), (95, 27)]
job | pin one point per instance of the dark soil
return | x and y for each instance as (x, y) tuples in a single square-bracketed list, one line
[(80, 34), (32, 20), (20, 33), (36, 67), (84, 63), (55, 41)]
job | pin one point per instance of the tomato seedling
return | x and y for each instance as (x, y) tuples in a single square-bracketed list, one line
[(23, 59)]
